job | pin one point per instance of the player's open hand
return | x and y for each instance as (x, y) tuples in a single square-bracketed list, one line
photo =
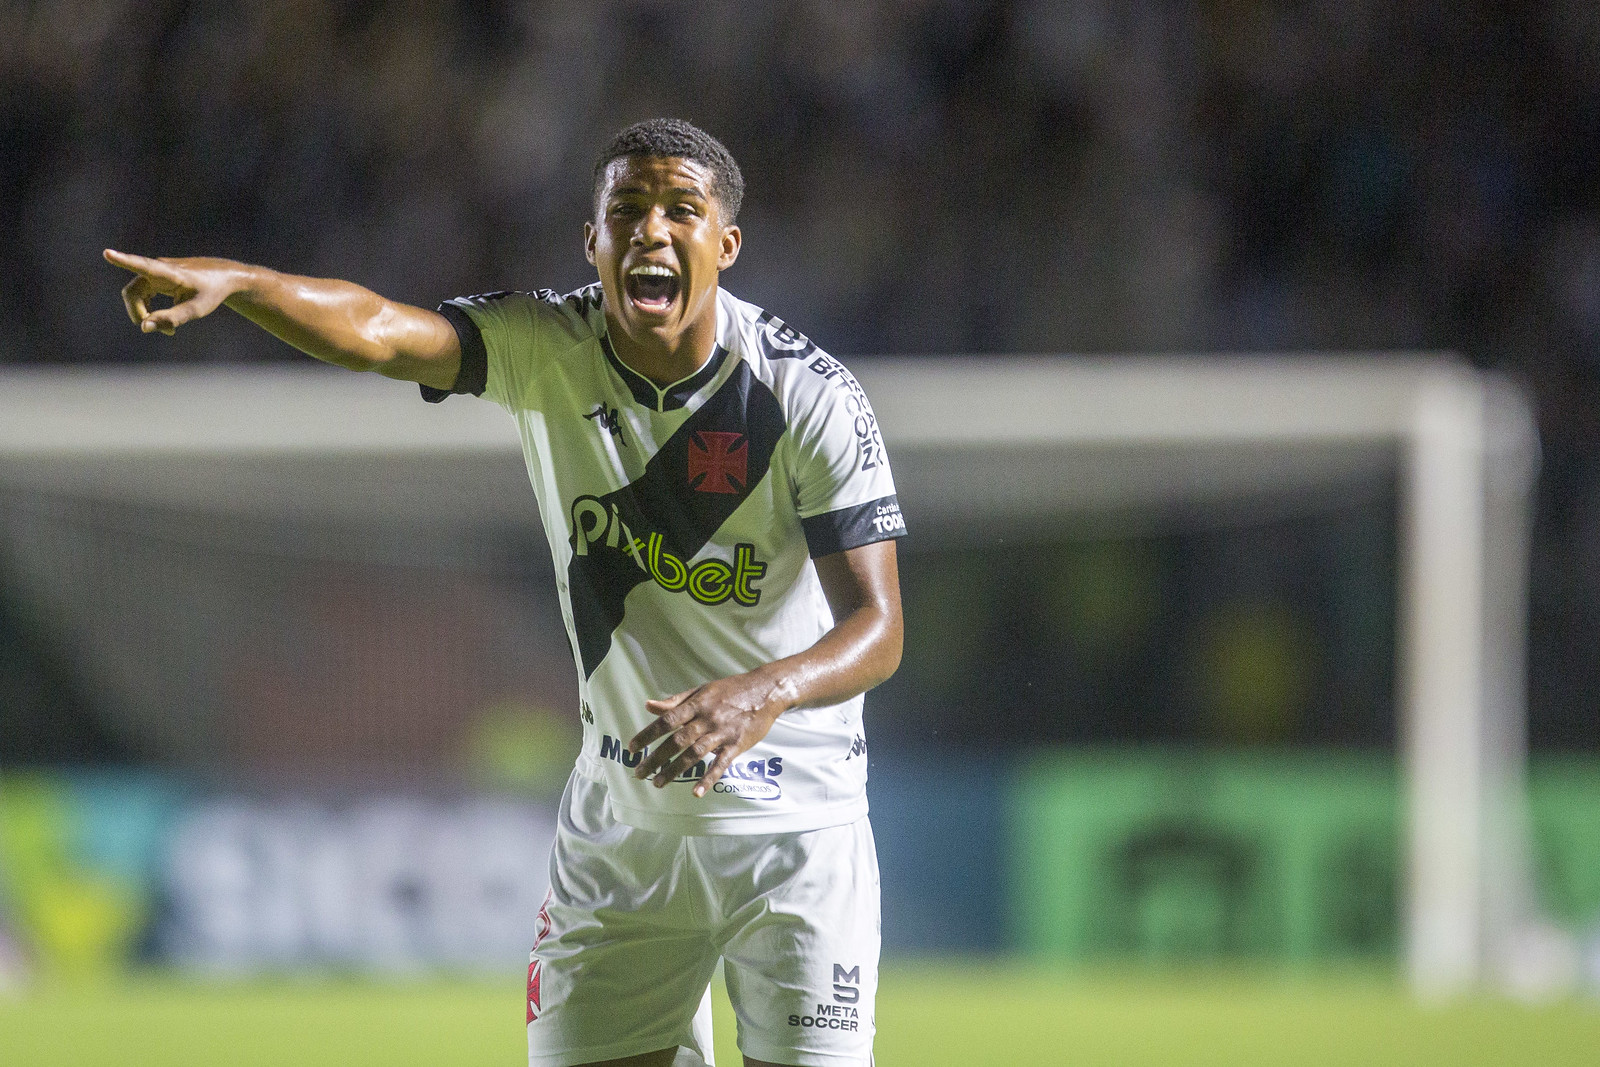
[(197, 287), (714, 723)]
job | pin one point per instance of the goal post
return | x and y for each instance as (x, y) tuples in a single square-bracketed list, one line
[(982, 446), (1216, 428)]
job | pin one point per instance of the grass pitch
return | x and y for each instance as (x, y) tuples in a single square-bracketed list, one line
[(928, 1014)]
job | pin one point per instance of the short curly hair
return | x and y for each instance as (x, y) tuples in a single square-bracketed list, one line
[(680, 139)]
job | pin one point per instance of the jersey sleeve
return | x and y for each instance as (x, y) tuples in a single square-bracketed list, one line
[(499, 334), (844, 491)]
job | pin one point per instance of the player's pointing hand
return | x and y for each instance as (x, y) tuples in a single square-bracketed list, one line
[(197, 287)]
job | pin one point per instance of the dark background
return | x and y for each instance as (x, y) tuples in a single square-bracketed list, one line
[(924, 177)]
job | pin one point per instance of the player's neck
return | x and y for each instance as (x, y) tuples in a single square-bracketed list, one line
[(666, 361)]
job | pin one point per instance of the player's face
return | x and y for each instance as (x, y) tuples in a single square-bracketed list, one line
[(658, 242)]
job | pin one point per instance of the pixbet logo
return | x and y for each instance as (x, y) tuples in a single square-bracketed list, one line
[(711, 581)]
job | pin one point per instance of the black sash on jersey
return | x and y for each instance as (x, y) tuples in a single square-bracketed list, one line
[(662, 500)]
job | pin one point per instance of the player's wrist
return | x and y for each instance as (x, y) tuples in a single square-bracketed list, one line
[(244, 283), (782, 691)]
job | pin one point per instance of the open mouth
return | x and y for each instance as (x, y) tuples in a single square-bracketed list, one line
[(652, 287)]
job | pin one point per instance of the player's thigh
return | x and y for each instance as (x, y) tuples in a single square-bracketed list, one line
[(622, 955), (802, 968), (602, 981)]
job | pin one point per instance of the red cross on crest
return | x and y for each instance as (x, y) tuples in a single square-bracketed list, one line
[(717, 462)]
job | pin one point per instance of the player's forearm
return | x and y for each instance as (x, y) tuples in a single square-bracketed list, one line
[(335, 321), (728, 715), (861, 651)]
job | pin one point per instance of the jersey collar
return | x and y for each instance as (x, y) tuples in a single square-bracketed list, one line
[(676, 395)]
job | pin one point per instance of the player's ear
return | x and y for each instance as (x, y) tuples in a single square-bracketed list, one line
[(589, 236), (729, 251)]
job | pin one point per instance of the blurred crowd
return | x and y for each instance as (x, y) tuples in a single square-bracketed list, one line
[(941, 176)]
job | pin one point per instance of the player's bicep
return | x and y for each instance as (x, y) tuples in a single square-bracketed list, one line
[(867, 576), (423, 344)]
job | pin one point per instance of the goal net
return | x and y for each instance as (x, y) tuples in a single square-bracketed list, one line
[(283, 540)]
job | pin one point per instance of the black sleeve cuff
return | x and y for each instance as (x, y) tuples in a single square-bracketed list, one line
[(473, 377), (837, 531)]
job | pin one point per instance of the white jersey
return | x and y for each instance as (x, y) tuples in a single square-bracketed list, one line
[(682, 522)]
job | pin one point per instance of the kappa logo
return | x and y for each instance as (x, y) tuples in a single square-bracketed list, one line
[(858, 747), (589, 299), (610, 419), (718, 462)]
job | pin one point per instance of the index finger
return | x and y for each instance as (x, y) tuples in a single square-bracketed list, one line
[(664, 723), (719, 763), (137, 264)]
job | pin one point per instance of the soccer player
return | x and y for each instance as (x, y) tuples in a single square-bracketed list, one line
[(722, 519)]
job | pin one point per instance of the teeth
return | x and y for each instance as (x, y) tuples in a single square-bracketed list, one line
[(653, 268)]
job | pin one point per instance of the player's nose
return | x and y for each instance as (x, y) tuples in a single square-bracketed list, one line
[(651, 230)]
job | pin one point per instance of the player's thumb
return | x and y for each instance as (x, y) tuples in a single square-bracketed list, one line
[(167, 320)]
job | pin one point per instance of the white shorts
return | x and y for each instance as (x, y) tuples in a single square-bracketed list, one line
[(630, 935)]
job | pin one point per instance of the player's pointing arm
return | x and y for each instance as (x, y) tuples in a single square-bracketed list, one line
[(337, 322)]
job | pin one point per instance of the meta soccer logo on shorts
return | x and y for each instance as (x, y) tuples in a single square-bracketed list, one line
[(754, 779)]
